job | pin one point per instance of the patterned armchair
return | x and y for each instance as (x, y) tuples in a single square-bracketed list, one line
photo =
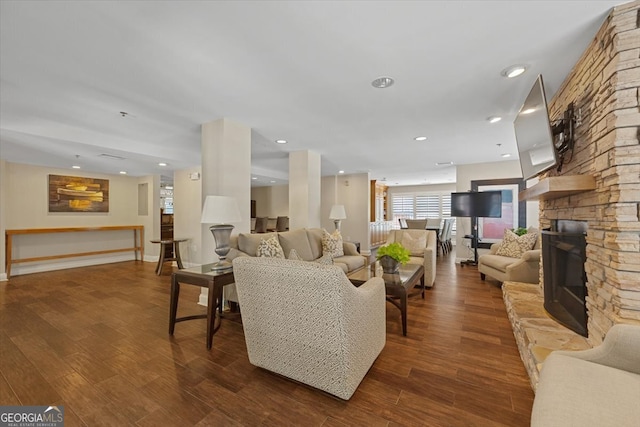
[(307, 322)]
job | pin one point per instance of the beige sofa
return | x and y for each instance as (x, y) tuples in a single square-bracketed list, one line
[(306, 241), (596, 387), (307, 322), (525, 269), (428, 260)]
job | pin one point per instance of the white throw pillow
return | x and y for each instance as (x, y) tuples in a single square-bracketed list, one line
[(325, 259), (293, 254), (332, 243), (414, 243), (514, 246), (270, 248)]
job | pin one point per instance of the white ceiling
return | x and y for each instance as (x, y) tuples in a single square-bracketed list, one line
[(299, 71)]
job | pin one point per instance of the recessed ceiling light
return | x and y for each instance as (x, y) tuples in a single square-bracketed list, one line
[(281, 141), (494, 119), (123, 172), (505, 155), (444, 163), (162, 164), (382, 82), (75, 167), (420, 138), (528, 111), (513, 71), (272, 181), (254, 177), (340, 171)]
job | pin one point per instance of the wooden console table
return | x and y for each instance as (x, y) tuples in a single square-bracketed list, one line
[(138, 243)]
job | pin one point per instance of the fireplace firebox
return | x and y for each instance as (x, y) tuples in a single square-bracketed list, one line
[(563, 258)]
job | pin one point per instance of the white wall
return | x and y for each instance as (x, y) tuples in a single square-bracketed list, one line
[(4, 178), (480, 171), (352, 191), (271, 202), (187, 210), (26, 186)]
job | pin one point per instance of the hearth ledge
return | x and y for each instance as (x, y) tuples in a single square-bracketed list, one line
[(536, 333)]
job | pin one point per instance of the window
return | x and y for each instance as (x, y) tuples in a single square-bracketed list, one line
[(421, 206), (402, 207)]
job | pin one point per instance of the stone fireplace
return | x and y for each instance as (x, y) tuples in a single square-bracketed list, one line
[(604, 87)]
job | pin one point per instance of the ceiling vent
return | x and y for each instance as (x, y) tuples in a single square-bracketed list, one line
[(111, 156)]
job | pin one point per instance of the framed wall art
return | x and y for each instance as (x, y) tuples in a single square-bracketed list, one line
[(78, 194), (514, 212)]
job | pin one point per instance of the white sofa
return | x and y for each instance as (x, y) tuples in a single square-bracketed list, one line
[(525, 269), (597, 387), (306, 321), (428, 259), (306, 241)]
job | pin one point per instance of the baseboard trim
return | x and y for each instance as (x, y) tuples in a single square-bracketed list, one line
[(20, 269)]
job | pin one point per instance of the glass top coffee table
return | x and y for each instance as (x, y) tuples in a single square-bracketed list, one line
[(397, 285)]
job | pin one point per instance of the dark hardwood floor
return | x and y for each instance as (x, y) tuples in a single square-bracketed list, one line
[(95, 340)]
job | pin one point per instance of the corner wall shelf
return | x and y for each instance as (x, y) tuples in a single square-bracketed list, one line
[(554, 187)]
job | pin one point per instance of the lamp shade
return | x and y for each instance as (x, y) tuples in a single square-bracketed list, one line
[(220, 210), (337, 212)]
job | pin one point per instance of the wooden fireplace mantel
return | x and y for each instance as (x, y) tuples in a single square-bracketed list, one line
[(554, 187)]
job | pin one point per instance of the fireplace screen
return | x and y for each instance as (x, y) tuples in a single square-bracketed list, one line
[(563, 258)]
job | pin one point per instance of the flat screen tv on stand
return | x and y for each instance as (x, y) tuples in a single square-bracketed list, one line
[(474, 204)]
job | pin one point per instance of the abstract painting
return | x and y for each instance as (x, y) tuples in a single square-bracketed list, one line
[(78, 194)]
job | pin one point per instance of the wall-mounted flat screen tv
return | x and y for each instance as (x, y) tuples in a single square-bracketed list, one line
[(481, 204), (534, 137)]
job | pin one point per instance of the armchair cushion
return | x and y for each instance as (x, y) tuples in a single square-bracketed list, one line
[(248, 243), (298, 240), (514, 246), (414, 242)]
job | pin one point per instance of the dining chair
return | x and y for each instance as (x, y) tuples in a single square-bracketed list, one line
[(261, 224)]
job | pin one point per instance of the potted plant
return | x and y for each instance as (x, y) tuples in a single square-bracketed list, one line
[(520, 231), (391, 256)]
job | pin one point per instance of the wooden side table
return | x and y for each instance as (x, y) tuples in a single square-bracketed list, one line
[(175, 243), (204, 277)]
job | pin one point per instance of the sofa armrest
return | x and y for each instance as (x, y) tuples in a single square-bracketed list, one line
[(235, 253), (526, 269), (494, 248), (350, 248), (620, 349), (532, 255)]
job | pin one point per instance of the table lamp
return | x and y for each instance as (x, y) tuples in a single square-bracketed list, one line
[(221, 211), (337, 214)]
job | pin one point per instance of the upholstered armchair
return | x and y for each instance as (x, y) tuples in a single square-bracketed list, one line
[(307, 322), (524, 268), (425, 253), (595, 387)]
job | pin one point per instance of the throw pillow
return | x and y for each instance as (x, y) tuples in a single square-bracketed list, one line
[(332, 243), (514, 246), (325, 259), (293, 254), (270, 248), (414, 243)]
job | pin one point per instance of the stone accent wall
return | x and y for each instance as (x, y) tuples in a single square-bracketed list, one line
[(604, 87)]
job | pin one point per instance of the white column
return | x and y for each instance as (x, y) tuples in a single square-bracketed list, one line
[(226, 171), (304, 189)]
